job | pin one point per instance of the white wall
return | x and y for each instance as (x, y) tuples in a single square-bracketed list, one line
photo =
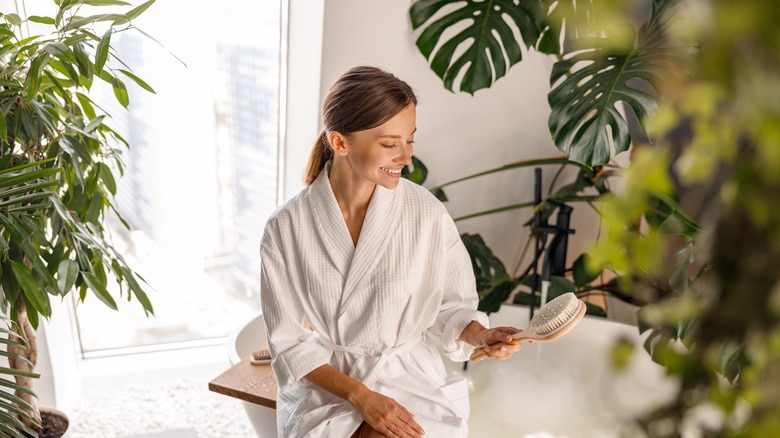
[(302, 106), (458, 134)]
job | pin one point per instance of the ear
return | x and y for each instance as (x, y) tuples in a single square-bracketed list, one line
[(338, 142)]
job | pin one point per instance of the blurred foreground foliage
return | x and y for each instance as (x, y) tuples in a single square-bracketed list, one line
[(712, 293), (691, 88)]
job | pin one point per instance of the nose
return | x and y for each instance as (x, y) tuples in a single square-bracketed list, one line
[(406, 154)]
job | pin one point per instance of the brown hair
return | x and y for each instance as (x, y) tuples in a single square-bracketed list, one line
[(362, 98)]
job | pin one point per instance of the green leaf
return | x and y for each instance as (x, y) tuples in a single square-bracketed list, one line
[(101, 53), (99, 289), (493, 282), (13, 179), (105, 3), (567, 21), (41, 20), (594, 310), (13, 19), (120, 91), (138, 81), (580, 272), (83, 63), (7, 32), (33, 80), (76, 38), (95, 208), (137, 289), (32, 311), (3, 128), (682, 262), (86, 105), (77, 22), (66, 68), (105, 174), (31, 287), (18, 401), (730, 360), (60, 50), (67, 272), (94, 123), (16, 386), (135, 12), (418, 175), (589, 85), (439, 194), (487, 36), (559, 286)]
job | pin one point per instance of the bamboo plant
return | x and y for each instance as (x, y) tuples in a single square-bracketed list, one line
[(59, 162)]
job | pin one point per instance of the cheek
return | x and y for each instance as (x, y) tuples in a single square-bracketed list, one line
[(369, 159)]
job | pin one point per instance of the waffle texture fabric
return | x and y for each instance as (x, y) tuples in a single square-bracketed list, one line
[(376, 308)]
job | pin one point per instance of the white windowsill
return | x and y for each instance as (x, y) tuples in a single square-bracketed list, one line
[(105, 373)]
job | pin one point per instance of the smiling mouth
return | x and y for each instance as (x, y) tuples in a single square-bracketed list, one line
[(391, 171)]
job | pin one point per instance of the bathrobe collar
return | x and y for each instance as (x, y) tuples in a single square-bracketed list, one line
[(379, 227)]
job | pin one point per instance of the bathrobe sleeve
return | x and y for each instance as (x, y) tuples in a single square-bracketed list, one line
[(294, 350), (459, 300)]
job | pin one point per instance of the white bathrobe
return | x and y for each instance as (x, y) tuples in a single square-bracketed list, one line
[(377, 309)]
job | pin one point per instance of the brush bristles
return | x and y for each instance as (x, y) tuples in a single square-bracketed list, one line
[(555, 314)]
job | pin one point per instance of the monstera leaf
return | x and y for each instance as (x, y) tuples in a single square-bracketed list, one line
[(493, 282), (593, 81), (418, 172), (566, 21), (488, 36)]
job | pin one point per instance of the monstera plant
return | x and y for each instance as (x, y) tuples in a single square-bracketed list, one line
[(58, 161), (694, 234), (600, 85), (494, 282), (595, 71)]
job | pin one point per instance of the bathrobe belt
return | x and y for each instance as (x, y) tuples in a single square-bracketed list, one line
[(381, 357)]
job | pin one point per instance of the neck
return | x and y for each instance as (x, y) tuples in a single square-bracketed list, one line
[(352, 192)]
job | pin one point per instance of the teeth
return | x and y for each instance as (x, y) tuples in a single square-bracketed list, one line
[(391, 170)]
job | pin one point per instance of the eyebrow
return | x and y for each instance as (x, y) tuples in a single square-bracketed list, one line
[(395, 136)]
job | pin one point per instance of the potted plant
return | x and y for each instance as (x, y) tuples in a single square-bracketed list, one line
[(694, 233), (58, 164), (495, 284)]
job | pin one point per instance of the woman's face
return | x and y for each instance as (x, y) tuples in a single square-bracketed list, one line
[(378, 154)]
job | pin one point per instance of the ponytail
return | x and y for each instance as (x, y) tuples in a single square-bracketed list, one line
[(321, 153)]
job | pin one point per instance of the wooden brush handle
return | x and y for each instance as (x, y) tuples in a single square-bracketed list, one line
[(479, 353)]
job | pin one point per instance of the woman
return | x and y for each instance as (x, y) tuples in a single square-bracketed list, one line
[(375, 266)]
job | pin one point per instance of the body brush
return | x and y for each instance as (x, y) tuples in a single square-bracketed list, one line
[(552, 321)]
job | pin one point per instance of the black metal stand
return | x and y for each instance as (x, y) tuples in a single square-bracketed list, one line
[(555, 259)]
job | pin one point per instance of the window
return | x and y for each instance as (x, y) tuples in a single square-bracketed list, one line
[(201, 175)]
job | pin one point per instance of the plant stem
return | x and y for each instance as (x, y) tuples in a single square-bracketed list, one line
[(524, 163), (30, 353)]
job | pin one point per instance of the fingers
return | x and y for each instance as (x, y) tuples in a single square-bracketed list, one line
[(409, 425), (402, 430), (398, 422), (502, 351), (507, 330)]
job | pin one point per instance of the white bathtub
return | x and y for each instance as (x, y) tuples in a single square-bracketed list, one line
[(565, 388)]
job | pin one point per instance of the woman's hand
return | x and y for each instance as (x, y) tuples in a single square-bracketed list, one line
[(385, 415), (496, 341)]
